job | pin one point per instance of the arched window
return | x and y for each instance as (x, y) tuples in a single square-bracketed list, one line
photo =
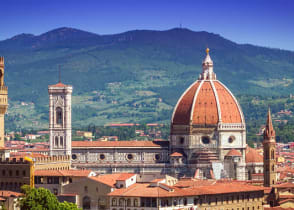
[(113, 202), (266, 155), (86, 203), (136, 202), (273, 154), (129, 202), (185, 201), (56, 141), (59, 117), (121, 202), (61, 141), (273, 167)]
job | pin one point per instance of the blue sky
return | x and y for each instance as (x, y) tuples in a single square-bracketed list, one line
[(267, 23)]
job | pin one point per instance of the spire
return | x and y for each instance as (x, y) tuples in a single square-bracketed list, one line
[(269, 132), (207, 68)]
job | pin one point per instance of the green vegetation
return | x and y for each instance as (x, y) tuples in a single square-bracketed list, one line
[(138, 76), (35, 199)]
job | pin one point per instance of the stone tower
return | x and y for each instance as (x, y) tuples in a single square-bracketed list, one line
[(269, 153), (60, 119), (3, 101)]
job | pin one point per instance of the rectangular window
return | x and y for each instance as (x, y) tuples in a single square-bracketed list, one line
[(49, 180), (55, 180)]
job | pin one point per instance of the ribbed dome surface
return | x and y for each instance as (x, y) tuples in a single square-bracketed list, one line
[(207, 102)]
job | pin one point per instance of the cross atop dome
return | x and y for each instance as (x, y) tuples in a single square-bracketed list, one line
[(207, 67)]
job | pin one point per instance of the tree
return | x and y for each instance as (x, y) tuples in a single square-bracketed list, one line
[(42, 198), (68, 206)]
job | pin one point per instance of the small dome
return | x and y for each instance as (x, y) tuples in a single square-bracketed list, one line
[(234, 153), (252, 156), (176, 154)]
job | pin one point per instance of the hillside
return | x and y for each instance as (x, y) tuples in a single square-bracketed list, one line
[(132, 76)]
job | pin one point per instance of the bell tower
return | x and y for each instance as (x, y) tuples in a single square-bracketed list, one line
[(269, 153), (3, 101), (60, 119)]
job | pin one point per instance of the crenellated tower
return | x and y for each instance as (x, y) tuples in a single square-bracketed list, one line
[(269, 153), (3, 101), (60, 119)]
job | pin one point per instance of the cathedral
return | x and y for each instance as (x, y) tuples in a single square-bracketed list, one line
[(207, 138)]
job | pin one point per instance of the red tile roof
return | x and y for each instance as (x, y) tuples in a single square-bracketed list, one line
[(176, 154), (229, 109), (7, 193), (71, 173), (252, 156), (205, 110), (285, 185), (286, 200), (59, 84), (145, 190), (184, 107), (234, 152), (124, 177), (108, 179), (131, 143)]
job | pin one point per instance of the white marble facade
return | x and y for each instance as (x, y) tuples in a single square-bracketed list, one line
[(60, 119)]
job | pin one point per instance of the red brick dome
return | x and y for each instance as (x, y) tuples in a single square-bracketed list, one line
[(207, 102), (252, 156)]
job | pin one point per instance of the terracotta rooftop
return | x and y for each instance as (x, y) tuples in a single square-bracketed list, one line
[(7, 193), (144, 190), (23, 154), (124, 177), (131, 143), (108, 179), (176, 154), (234, 152), (285, 185), (205, 106), (252, 156), (70, 172), (59, 84), (287, 200)]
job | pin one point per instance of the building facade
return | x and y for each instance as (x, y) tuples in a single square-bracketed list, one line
[(14, 173), (60, 119), (3, 101), (187, 194)]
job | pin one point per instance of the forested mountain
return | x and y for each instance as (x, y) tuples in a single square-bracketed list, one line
[(133, 76)]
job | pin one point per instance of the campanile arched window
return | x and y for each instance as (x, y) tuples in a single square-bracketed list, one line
[(59, 117), (273, 154), (56, 141), (61, 141)]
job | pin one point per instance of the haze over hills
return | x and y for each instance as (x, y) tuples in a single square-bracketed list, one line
[(133, 76)]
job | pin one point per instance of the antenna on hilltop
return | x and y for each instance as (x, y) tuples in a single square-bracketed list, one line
[(59, 77)]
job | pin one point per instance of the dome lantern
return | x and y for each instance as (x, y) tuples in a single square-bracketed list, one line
[(207, 68)]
